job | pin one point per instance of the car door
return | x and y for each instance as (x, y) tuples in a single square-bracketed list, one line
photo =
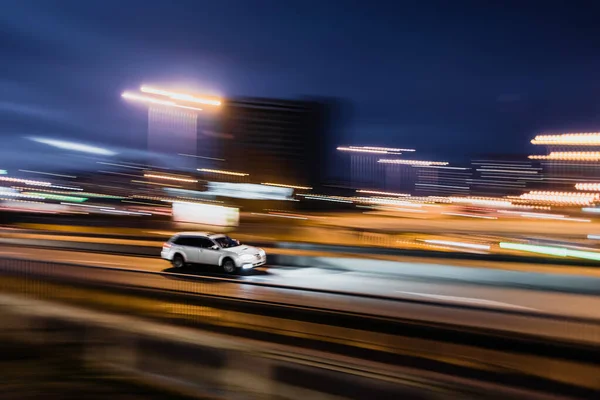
[(189, 247), (208, 254)]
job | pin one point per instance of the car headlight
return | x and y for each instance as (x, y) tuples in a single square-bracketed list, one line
[(262, 252), (246, 257)]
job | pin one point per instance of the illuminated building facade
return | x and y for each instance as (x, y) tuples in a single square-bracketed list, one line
[(172, 131), (570, 159), (172, 125), (364, 169), (275, 140), (504, 175), (443, 181)]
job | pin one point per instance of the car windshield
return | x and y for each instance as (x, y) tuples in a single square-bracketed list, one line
[(226, 241)]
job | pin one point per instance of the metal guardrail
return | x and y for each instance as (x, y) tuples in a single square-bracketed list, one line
[(514, 360)]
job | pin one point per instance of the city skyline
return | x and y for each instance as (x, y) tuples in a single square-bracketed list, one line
[(417, 88)]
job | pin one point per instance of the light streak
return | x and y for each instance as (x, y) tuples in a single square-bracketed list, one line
[(468, 215), (85, 205), (50, 196), (326, 198), (286, 186), (119, 165), (180, 96), (66, 145), (170, 178), (590, 187), (442, 186), (218, 171), (568, 139), (381, 148), (561, 197), (570, 156), (511, 171), (481, 201), (359, 150), (137, 97), (550, 250), (412, 162), (279, 215), (47, 173), (383, 193), (202, 157), (25, 181), (458, 244), (155, 183), (110, 210)]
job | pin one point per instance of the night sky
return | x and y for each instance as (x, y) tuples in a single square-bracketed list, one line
[(449, 78)]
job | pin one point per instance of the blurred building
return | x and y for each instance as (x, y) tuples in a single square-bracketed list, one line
[(443, 181), (504, 175), (172, 130), (569, 159), (274, 140)]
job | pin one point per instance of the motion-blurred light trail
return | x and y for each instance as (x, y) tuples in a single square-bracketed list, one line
[(180, 96), (219, 171), (383, 193), (170, 178), (412, 162), (567, 139), (146, 99), (550, 250), (458, 244), (286, 186), (67, 145)]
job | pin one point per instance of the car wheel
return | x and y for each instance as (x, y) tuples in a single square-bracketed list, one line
[(229, 267), (178, 261)]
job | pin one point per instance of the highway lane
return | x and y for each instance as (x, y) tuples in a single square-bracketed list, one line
[(139, 247), (470, 305)]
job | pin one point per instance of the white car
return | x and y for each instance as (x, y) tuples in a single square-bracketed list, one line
[(212, 249)]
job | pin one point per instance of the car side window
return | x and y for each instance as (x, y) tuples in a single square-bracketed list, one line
[(205, 243), (184, 241)]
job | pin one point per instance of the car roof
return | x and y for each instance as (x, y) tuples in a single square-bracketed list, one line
[(194, 234)]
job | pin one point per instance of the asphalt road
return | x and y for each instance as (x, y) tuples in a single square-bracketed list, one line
[(569, 316)]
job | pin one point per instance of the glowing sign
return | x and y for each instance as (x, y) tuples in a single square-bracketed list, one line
[(205, 214), (249, 191)]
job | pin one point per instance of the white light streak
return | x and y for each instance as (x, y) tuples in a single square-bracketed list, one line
[(66, 145), (511, 171), (361, 150), (287, 186), (280, 216), (570, 156), (591, 138), (47, 173), (591, 187), (218, 171), (458, 244), (383, 193), (137, 97), (180, 96), (25, 181), (469, 215), (170, 178), (412, 162)]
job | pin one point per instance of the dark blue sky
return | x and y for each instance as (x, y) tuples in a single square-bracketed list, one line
[(447, 77)]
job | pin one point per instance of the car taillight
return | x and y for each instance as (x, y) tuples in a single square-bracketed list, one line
[(167, 245)]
